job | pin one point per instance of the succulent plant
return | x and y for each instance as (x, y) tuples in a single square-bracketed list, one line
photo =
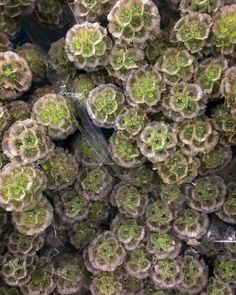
[(228, 211), (193, 30), (19, 110), (70, 273), (125, 152), (134, 21), (15, 76), (4, 42), (60, 168), (223, 29), (86, 10), (195, 275), (106, 283), (209, 75), (42, 281), (163, 245), (87, 45), (81, 234), (167, 273), (132, 285), (26, 142), (58, 59), (206, 6), (130, 121), (157, 141), (35, 221), (15, 8), (190, 224), (35, 61), (123, 59), (105, 252), (176, 65), (130, 201), (98, 212), (196, 136), (145, 87), (178, 168), (95, 184), (171, 195), (206, 194), (8, 290), (225, 270), (104, 103), (184, 101), (138, 263), (130, 232), (10, 26), (216, 160), (20, 187), (216, 287), (229, 88), (55, 112), (16, 271)]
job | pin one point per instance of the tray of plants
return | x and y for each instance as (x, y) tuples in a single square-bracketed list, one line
[(117, 155)]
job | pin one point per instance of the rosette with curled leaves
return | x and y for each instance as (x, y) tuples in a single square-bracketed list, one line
[(20, 245), (225, 270), (130, 201), (206, 194), (145, 87), (55, 112), (158, 217), (171, 195), (163, 245), (167, 273), (26, 142), (105, 252), (209, 75), (157, 141), (15, 8), (16, 271), (9, 25), (81, 234), (229, 89), (124, 151), (223, 30), (195, 275), (87, 10), (104, 103), (184, 101), (134, 21), (190, 224), (123, 59), (196, 137), (20, 187), (178, 168), (193, 31), (176, 65), (214, 286), (206, 6), (130, 232), (94, 184), (60, 169), (87, 45), (19, 110), (35, 221), (15, 76)]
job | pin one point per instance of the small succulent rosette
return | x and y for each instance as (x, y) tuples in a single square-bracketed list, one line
[(81, 234), (134, 21), (15, 76), (11, 26), (171, 195), (201, 6), (104, 104), (19, 110), (17, 8), (87, 45), (225, 269), (99, 212), (215, 286)]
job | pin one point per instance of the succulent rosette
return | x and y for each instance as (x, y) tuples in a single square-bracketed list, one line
[(193, 30), (87, 45), (26, 142), (19, 110), (81, 234), (225, 269), (10, 26), (171, 195), (34, 221), (229, 89), (99, 212), (190, 224), (104, 103), (129, 200), (196, 136), (176, 65), (178, 168), (20, 187), (206, 6), (55, 112), (157, 141), (15, 76), (105, 252), (214, 286), (15, 8), (223, 30), (184, 101), (134, 21), (8, 290)]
